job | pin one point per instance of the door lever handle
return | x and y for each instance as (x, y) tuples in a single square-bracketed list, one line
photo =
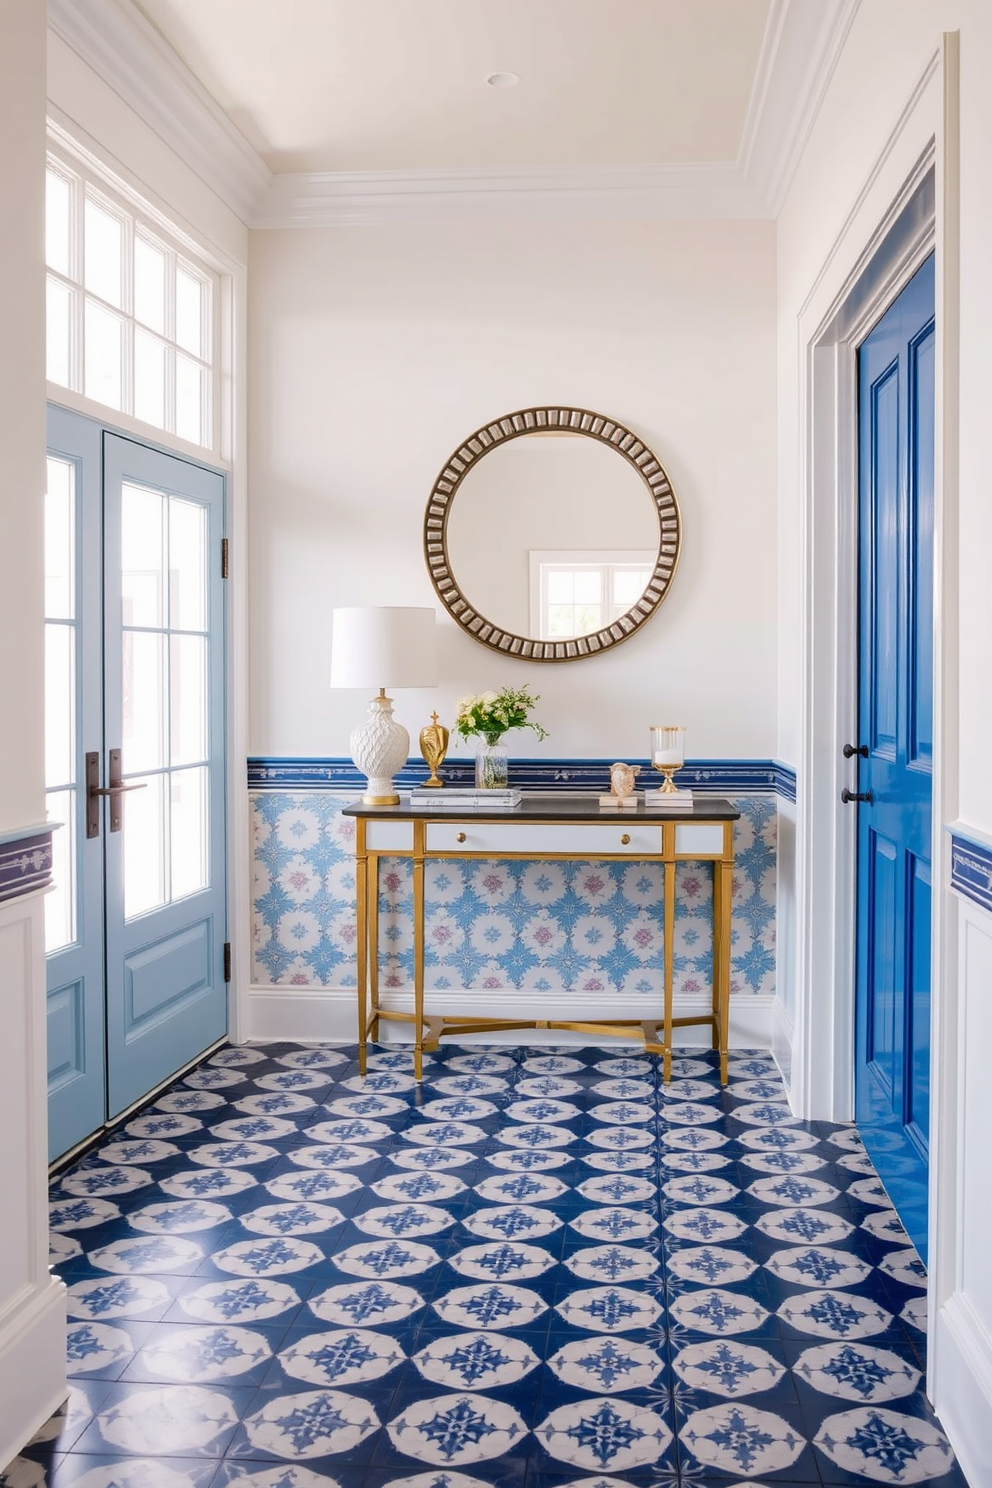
[(848, 796), (850, 750), (114, 790)]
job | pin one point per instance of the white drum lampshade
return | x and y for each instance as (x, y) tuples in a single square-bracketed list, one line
[(382, 646)]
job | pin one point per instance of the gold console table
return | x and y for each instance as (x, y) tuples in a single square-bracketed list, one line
[(542, 828)]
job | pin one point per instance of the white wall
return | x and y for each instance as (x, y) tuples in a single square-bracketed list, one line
[(874, 122), (374, 351), (32, 1305)]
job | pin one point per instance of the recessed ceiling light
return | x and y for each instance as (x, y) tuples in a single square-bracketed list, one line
[(503, 79)]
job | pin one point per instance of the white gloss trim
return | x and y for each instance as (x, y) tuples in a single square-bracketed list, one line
[(330, 1015)]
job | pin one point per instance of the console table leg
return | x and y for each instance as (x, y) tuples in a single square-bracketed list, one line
[(726, 872), (372, 899), (361, 916), (717, 1000), (418, 966), (669, 953)]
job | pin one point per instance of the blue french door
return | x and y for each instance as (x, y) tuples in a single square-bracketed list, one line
[(895, 762), (136, 925)]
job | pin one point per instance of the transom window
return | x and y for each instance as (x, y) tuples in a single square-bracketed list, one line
[(131, 316), (576, 593)]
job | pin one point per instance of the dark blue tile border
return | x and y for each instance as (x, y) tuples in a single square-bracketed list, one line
[(338, 773), (26, 863), (971, 870)]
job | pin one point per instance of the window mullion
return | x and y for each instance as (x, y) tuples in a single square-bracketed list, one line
[(77, 349), (127, 302), (171, 262)]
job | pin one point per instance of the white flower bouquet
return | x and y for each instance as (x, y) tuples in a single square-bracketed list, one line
[(489, 715)]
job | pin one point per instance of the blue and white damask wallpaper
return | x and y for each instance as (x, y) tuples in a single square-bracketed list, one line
[(514, 926)]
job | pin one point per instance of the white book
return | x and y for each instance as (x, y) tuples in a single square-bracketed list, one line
[(484, 798), (466, 806), (460, 793), (657, 800)]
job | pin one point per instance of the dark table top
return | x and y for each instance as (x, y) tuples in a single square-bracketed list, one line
[(560, 807)]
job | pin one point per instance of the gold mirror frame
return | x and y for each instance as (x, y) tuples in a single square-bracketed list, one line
[(548, 421)]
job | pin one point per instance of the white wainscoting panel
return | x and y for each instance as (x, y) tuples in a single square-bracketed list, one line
[(963, 1324), (329, 1015), (32, 1302)]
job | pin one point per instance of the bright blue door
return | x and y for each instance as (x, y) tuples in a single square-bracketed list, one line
[(135, 693), (895, 766)]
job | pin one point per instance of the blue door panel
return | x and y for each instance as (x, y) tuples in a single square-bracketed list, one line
[(881, 1035), (896, 473), (166, 995), (133, 998), (918, 984), (921, 471), (885, 617), (76, 1009), (175, 969), (66, 1036)]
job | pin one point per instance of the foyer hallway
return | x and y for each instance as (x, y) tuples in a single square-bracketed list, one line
[(542, 1268)]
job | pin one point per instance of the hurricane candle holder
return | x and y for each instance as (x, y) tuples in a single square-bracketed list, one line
[(668, 753)]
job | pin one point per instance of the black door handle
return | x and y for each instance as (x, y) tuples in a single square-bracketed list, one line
[(848, 796), (850, 750)]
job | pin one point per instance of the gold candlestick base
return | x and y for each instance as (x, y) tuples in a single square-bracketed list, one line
[(433, 747), (668, 788)]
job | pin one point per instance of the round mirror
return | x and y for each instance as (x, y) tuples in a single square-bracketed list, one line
[(559, 544)]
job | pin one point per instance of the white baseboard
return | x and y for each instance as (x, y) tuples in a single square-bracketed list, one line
[(782, 1041), (328, 1015), (32, 1366), (963, 1372)]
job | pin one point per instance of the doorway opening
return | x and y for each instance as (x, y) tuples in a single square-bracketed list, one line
[(135, 769)]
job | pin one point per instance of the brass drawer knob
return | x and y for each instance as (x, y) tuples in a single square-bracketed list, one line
[(460, 837), (625, 839)]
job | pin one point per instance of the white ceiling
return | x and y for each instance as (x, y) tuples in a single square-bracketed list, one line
[(383, 85)]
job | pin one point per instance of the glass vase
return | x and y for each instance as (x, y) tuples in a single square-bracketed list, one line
[(492, 766)]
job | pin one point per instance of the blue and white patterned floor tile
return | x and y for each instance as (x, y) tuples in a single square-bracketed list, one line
[(539, 1269)]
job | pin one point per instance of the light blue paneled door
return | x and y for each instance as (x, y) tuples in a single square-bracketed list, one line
[(894, 752), (136, 928)]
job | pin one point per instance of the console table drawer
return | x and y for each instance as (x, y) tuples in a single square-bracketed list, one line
[(387, 837), (700, 839), (544, 839)]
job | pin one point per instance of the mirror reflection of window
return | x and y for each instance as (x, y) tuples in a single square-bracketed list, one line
[(577, 593), (572, 499)]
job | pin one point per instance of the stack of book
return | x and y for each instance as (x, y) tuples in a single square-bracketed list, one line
[(659, 800), (467, 798)]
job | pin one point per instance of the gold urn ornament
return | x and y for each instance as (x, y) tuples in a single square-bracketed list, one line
[(433, 747)]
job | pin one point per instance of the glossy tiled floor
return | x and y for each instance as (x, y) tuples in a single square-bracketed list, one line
[(539, 1269)]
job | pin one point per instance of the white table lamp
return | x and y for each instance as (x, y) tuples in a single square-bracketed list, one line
[(382, 646)]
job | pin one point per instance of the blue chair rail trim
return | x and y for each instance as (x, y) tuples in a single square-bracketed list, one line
[(971, 870), (338, 773), (26, 863)]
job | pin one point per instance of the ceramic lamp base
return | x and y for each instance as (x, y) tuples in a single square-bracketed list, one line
[(380, 747)]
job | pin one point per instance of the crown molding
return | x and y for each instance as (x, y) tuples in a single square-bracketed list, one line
[(134, 59), (357, 198), (802, 42)]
